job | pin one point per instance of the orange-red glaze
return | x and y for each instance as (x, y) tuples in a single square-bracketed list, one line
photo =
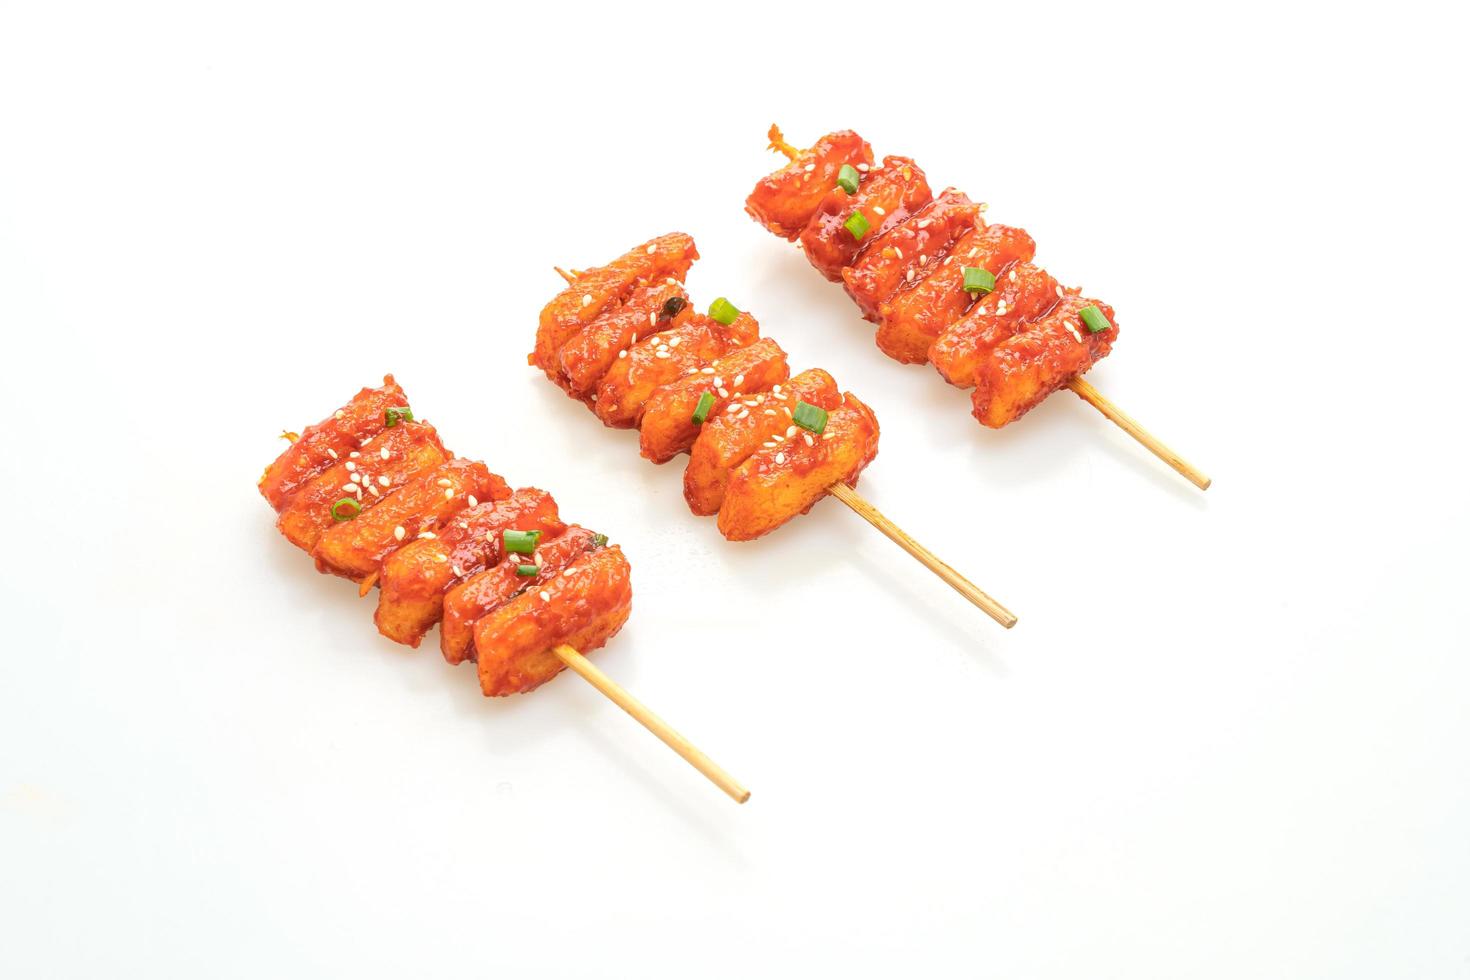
[(1023, 294), (655, 361), (327, 443), (601, 289), (587, 356), (896, 259), (726, 440), (469, 601), (411, 448), (355, 547), (786, 200), (911, 319), (582, 606), (668, 427), (414, 578), (778, 482), (887, 194), (1021, 371)]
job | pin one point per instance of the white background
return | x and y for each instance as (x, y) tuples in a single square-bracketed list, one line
[(1229, 737)]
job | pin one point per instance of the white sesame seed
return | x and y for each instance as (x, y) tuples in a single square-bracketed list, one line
[(780, 458), (776, 390), (373, 490), (456, 571), (349, 487), (383, 452), (428, 535), (633, 341), (878, 211), (399, 532), (652, 317), (384, 481), (353, 455), (924, 223), (358, 491), (810, 167), (770, 411), (790, 431), (1012, 276), (545, 596), (739, 380), (827, 435), (622, 354), (448, 493), (464, 525), (351, 465), (339, 414), (722, 393), (909, 275), (442, 559), (587, 300), (652, 249), (718, 381), (672, 281), (662, 352), (744, 413), (444, 481), (808, 437), (473, 501), (676, 341), (754, 403), (1059, 292), (333, 453), (863, 167), (777, 437), (899, 252), (972, 252), (708, 370), (355, 478), (733, 407), (768, 444), (1000, 308)]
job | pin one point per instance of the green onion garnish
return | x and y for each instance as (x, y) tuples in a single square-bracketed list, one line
[(724, 311), (520, 542), (1093, 318), (847, 178), (392, 416), (701, 411), (346, 509), (857, 225), (810, 417), (524, 570), (600, 540), (978, 280)]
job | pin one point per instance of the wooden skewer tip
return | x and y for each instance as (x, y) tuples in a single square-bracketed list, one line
[(1084, 390)]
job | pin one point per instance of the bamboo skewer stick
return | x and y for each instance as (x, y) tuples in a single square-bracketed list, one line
[(615, 693), (1118, 417), (873, 516), (1083, 388), (927, 558)]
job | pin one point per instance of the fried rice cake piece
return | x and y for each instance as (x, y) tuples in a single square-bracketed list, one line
[(604, 288), (786, 200), (413, 579), (328, 442), (355, 547), (1025, 293), (468, 602), (668, 427), (726, 440), (583, 606), (899, 256), (885, 196), (1019, 373), (784, 479), (655, 361), (586, 357), (367, 477)]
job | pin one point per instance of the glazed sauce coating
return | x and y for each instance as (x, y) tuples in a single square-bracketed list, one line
[(655, 361), (887, 194), (469, 601), (786, 200), (354, 548), (727, 439), (1026, 292), (783, 479), (604, 288), (387, 460), (911, 319), (900, 256), (586, 357), (668, 427), (1020, 372), (413, 579), (328, 442), (584, 605)]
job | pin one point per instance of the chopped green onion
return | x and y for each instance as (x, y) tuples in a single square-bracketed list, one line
[(345, 509), (978, 280), (847, 178), (701, 411), (810, 417), (724, 311), (600, 540), (392, 416), (1094, 319), (857, 225), (524, 570), (673, 306), (521, 542)]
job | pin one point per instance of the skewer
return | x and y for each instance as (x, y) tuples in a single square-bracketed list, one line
[(1083, 389), (641, 714), (1118, 417), (873, 516)]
